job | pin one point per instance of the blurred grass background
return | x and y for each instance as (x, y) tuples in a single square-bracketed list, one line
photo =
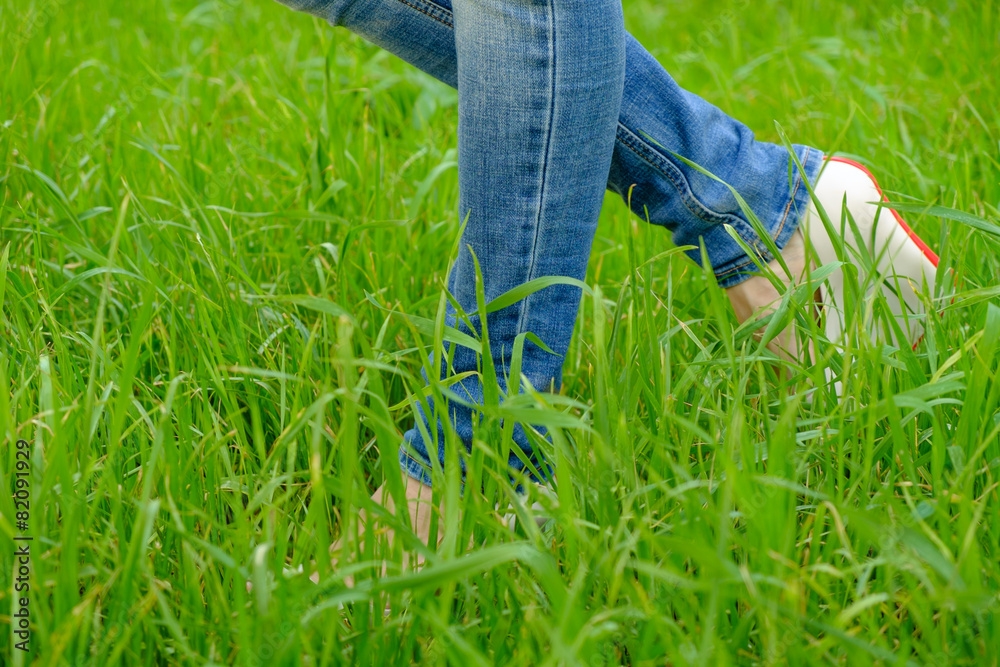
[(196, 200)]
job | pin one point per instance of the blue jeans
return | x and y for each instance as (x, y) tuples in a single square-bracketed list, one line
[(556, 102)]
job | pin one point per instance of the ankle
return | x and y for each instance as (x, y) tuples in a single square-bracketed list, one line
[(757, 295)]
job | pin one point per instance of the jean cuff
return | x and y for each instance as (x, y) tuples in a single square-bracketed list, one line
[(412, 467), (421, 471), (781, 226)]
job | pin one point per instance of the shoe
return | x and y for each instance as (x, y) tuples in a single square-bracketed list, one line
[(871, 234), (903, 262), (538, 512)]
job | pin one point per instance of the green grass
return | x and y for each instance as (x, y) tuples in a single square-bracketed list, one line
[(219, 222)]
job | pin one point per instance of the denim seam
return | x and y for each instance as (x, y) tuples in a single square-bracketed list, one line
[(432, 10), (684, 197), (423, 465), (734, 269), (421, 473), (647, 154), (766, 256), (543, 187), (791, 196)]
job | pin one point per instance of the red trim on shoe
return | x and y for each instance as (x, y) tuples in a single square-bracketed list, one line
[(924, 248)]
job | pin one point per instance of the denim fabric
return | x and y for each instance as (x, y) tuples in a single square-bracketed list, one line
[(538, 81)]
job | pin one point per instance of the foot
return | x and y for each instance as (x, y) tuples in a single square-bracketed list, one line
[(902, 262), (420, 508), (757, 297)]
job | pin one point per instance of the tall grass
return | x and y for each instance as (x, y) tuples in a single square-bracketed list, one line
[(225, 232)]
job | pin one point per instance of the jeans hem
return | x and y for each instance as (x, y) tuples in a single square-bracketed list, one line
[(781, 230), (414, 468), (421, 471)]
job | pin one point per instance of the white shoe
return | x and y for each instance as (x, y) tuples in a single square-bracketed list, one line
[(872, 235), (903, 263), (539, 512)]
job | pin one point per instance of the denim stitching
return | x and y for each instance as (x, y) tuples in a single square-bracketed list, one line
[(750, 241), (699, 210), (791, 197), (639, 148), (421, 464), (436, 12), (734, 269), (427, 470), (543, 187), (784, 220)]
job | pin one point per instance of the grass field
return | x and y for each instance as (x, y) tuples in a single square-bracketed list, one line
[(220, 225)]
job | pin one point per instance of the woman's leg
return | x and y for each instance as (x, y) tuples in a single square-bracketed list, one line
[(539, 89), (539, 85)]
